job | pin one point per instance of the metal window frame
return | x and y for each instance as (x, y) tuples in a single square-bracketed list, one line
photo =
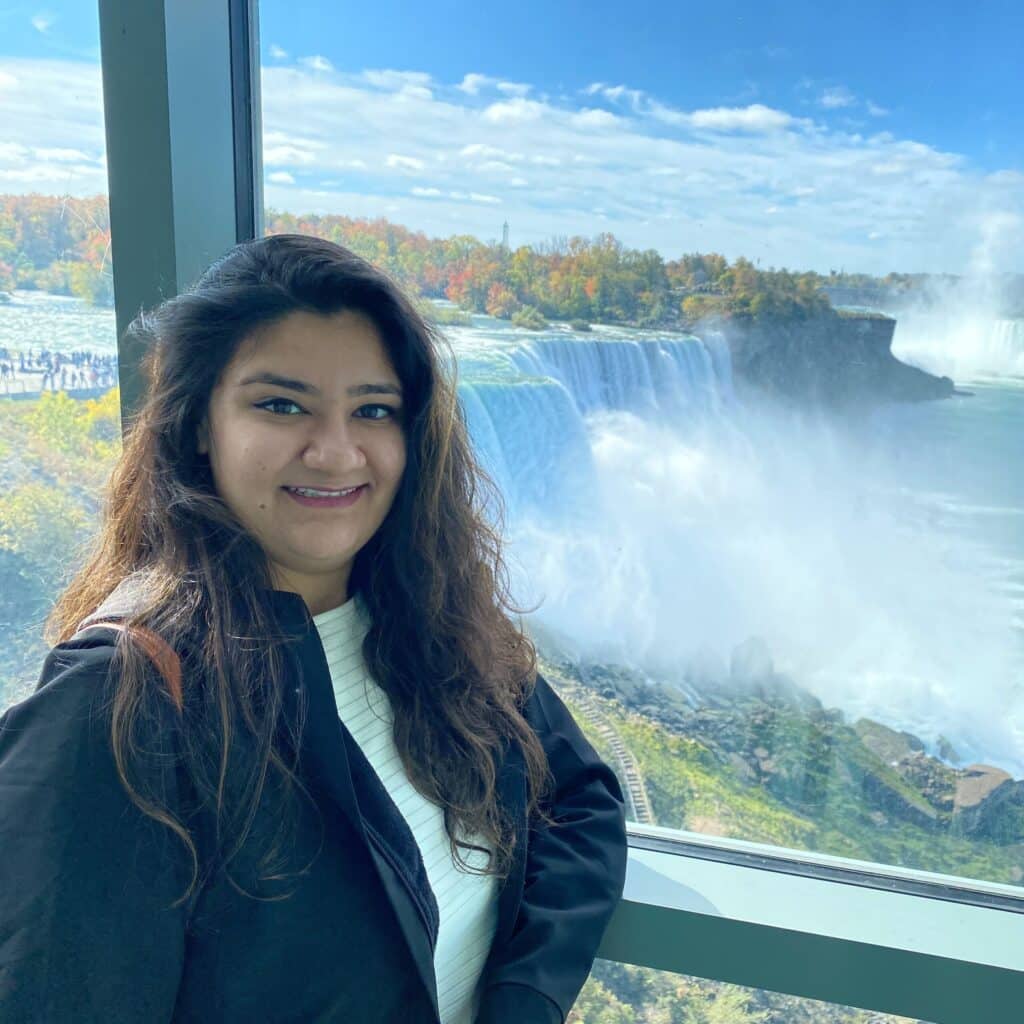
[(182, 115), (932, 947), (182, 106)]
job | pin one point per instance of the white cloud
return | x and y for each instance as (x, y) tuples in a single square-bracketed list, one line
[(277, 52), (473, 83), (281, 178), (876, 111), (43, 21), (593, 118), (404, 163), (316, 63), (755, 118), (513, 88), (13, 153), (516, 110), (665, 178), (53, 138), (276, 156), (412, 83), (836, 97), (58, 155), (668, 115), (616, 93), (1009, 178), (479, 149)]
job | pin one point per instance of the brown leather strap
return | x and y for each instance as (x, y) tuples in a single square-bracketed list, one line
[(160, 653)]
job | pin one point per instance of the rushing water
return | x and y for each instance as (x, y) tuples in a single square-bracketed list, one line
[(659, 522)]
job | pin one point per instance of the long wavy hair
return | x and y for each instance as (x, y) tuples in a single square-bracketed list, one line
[(442, 644)]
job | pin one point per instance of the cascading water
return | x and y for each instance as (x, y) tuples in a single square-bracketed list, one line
[(965, 346), (661, 524), (527, 398)]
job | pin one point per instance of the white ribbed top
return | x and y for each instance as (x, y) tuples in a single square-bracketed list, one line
[(467, 903)]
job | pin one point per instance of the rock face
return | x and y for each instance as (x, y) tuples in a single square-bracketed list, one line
[(775, 735), (887, 743), (835, 361)]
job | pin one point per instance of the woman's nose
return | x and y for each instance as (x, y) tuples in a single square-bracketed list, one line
[(333, 448)]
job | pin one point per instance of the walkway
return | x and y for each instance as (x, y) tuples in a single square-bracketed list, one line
[(638, 803)]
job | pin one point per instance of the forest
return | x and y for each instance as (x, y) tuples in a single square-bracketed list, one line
[(62, 245)]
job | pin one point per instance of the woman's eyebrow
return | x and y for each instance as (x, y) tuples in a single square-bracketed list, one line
[(292, 384)]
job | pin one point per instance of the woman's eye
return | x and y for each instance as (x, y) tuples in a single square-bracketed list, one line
[(272, 405), (384, 410), (286, 407)]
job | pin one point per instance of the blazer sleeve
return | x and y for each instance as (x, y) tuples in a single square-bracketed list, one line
[(574, 879), (86, 879)]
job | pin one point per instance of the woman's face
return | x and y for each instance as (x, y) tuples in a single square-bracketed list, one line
[(310, 401)]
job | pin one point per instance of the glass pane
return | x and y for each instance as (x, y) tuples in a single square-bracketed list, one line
[(738, 307), (621, 994), (59, 406)]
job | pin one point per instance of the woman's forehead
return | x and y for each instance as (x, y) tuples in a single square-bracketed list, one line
[(332, 342)]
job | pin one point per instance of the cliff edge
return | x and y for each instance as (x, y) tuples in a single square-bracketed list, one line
[(840, 360)]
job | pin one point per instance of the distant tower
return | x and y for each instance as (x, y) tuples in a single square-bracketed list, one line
[(504, 235)]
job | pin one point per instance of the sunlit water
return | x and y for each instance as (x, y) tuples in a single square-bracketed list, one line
[(33, 321), (661, 523)]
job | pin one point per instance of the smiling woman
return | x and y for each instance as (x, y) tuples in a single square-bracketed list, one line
[(271, 458), (287, 703)]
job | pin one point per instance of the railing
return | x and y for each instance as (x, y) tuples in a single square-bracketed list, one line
[(904, 942)]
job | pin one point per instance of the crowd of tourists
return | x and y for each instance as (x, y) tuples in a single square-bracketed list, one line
[(43, 370)]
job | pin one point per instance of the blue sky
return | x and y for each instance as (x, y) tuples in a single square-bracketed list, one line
[(867, 136)]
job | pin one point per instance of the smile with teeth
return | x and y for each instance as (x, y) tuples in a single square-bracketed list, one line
[(312, 492)]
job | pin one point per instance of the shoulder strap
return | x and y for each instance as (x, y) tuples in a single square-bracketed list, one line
[(160, 653)]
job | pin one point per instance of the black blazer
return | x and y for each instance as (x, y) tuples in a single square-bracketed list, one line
[(86, 879)]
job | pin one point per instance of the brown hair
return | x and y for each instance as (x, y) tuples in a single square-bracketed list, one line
[(456, 668)]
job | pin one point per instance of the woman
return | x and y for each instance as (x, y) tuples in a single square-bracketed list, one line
[(289, 758)]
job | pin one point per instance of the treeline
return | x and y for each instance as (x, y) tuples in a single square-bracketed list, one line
[(576, 279), (56, 244), (62, 245)]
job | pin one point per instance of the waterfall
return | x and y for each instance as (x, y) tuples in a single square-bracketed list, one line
[(527, 400), (964, 346), (654, 520)]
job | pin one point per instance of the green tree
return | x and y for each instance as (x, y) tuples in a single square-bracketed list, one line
[(597, 1005)]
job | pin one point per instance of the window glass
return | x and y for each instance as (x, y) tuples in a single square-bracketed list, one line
[(622, 994), (737, 298), (59, 406)]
